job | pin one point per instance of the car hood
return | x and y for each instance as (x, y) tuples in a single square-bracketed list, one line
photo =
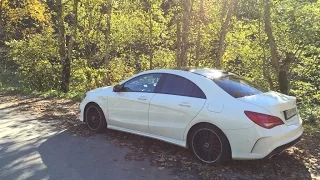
[(98, 90)]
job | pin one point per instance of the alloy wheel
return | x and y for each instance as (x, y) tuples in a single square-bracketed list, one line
[(93, 118), (207, 145)]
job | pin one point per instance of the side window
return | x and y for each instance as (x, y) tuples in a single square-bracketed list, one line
[(177, 85), (143, 83)]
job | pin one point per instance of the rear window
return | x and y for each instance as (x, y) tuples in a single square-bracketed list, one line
[(237, 86)]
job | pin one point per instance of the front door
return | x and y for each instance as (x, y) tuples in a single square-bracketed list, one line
[(129, 108)]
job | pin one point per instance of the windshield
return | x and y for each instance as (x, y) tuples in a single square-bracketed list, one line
[(237, 86)]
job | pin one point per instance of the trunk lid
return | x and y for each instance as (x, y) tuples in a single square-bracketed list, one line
[(280, 105)]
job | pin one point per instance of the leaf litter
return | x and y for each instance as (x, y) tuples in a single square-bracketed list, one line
[(299, 162)]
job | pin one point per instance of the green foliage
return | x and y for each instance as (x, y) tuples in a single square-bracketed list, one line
[(310, 114), (119, 71), (84, 78), (37, 60)]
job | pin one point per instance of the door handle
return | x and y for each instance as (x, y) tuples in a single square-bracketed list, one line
[(185, 104), (142, 98)]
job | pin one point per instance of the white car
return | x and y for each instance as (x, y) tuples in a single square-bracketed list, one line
[(217, 115)]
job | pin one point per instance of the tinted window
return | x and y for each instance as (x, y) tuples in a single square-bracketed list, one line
[(237, 86), (177, 85), (143, 83)]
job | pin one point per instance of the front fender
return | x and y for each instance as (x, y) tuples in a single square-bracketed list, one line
[(101, 101)]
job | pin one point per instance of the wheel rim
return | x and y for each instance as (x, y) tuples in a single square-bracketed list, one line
[(93, 118), (207, 145)]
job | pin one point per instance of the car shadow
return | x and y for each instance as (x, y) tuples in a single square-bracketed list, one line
[(75, 157)]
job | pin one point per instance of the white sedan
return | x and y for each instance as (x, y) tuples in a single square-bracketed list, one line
[(217, 115)]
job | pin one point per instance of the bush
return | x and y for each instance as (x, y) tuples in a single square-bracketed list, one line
[(310, 114), (38, 61)]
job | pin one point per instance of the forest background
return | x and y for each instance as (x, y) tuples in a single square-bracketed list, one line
[(67, 47)]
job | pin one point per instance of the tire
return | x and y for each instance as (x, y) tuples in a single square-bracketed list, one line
[(209, 144), (95, 118)]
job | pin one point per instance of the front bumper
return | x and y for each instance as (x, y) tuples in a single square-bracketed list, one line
[(82, 106)]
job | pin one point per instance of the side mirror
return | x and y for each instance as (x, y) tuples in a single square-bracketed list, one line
[(117, 88)]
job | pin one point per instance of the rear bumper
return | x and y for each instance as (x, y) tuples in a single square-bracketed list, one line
[(278, 137), (282, 148), (258, 143)]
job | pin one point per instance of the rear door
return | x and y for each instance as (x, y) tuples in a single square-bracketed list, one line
[(174, 105)]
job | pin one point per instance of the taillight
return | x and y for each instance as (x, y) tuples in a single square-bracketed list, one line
[(264, 120)]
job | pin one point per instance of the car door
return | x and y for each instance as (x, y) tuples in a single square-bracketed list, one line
[(171, 109), (129, 108)]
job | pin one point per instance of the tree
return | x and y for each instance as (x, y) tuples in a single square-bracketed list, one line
[(200, 19), (107, 11), (231, 8), (62, 47), (186, 11), (292, 44), (150, 38), (66, 65)]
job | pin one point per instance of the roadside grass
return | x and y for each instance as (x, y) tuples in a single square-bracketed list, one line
[(74, 95)]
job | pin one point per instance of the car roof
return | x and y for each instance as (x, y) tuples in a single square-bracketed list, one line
[(206, 72), (200, 76)]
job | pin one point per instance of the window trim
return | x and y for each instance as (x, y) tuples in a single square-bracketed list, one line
[(123, 84), (160, 84)]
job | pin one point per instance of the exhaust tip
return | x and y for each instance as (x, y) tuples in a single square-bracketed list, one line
[(273, 156)]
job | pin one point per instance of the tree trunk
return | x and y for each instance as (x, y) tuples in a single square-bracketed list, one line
[(283, 77), (224, 30), (107, 34), (62, 46), (74, 28), (283, 82), (198, 44), (272, 43), (66, 68), (186, 10), (265, 69), (178, 43), (267, 76), (280, 70), (2, 24), (199, 37), (150, 39)]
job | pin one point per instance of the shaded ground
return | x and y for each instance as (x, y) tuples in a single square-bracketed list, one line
[(300, 162), (33, 148)]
